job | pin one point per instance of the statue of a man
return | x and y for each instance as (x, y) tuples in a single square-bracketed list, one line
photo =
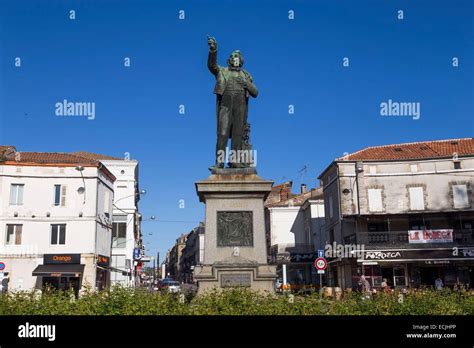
[(233, 87)]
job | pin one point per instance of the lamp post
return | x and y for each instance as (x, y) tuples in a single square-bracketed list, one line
[(80, 170)]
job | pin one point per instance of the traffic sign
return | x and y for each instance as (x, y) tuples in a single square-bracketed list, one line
[(321, 271), (2, 266), (320, 253), (320, 263)]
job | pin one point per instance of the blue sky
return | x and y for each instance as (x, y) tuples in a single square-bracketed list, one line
[(297, 62)]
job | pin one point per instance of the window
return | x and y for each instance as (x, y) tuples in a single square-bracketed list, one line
[(377, 226), (16, 194), (413, 168), (59, 195), (58, 234), (119, 235), (13, 234), (460, 197), (375, 200), (416, 198), (457, 164), (420, 225)]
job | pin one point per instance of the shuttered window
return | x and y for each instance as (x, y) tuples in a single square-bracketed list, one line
[(416, 198)]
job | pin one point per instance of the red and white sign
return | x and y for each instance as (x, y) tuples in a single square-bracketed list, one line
[(430, 236), (320, 263)]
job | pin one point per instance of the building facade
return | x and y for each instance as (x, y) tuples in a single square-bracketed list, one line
[(55, 220), (127, 244), (295, 231), (192, 254), (410, 206), (174, 256)]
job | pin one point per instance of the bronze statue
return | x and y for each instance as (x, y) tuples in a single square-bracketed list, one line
[(233, 87)]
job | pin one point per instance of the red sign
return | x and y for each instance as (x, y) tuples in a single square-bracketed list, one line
[(320, 263), (2, 266), (430, 236)]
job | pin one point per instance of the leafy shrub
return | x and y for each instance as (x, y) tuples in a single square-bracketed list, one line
[(125, 301)]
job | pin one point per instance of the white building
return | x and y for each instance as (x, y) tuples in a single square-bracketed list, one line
[(295, 231), (126, 234), (55, 220)]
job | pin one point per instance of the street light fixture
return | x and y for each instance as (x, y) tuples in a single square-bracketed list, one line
[(142, 192), (82, 190)]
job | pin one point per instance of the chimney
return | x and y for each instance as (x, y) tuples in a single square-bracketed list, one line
[(304, 188)]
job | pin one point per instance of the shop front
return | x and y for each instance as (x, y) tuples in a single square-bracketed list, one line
[(102, 272), (61, 272), (417, 268)]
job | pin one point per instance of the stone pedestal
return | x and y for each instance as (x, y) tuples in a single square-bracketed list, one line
[(235, 251)]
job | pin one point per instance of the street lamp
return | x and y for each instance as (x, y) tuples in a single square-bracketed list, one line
[(142, 192), (83, 190)]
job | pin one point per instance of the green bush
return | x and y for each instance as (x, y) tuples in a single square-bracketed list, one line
[(123, 301)]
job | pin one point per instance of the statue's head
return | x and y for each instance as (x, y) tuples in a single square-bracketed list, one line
[(235, 60)]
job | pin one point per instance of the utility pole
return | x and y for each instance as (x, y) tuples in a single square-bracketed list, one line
[(154, 272), (158, 262)]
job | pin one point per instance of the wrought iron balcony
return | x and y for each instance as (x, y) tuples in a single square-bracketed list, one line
[(391, 239)]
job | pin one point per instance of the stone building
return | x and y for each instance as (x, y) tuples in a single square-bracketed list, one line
[(410, 206), (294, 225), (193, 253), (174, 258)]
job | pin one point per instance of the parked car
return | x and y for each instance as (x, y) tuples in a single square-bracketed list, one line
[(172, 286)]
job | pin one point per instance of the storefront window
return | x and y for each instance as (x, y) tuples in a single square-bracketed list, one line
[(399, 276)]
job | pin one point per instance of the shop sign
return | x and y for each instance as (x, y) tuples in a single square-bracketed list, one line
[(430, 236), (52, 259), (457, 253), (136, 254), (103, 260), (382, 255)]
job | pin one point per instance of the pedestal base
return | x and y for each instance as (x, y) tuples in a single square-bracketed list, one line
[(235, 249), (258, 277)]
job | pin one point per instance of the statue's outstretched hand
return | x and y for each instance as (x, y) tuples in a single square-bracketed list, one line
[(211, 41)]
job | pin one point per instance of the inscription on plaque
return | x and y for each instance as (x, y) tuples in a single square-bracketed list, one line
[(235, 279), (234, 228)]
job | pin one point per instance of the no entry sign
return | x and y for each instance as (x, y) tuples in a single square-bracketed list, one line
[(320, 263)]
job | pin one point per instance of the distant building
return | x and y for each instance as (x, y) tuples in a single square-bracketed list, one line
[(192, 254), (174, 258), (126, 232), (410, 206), (55, 220), (295, 231)]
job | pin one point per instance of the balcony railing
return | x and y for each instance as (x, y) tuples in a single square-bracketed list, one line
[(401, 239)]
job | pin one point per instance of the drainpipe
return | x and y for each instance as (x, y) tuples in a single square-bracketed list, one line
[(357, 185)]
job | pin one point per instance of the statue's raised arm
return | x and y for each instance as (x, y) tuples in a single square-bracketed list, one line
[(212, 59)]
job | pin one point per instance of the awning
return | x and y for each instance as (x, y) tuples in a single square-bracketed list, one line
[(122, 271), (59, 270)]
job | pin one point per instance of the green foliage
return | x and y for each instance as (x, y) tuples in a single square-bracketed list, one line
[(123, 301)]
